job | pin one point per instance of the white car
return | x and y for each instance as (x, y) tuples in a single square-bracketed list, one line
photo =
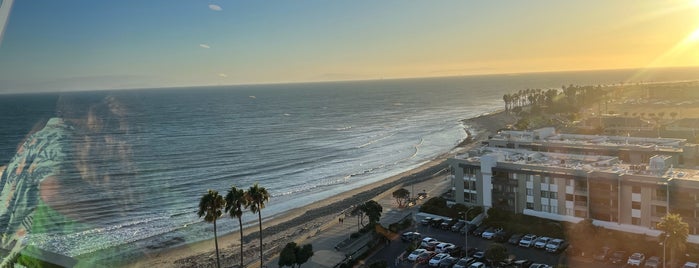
[(539, 265), (434, 262), (444, 247), (426, 241), (413, 256), (690, 264), (477, 265), (541, 242), (636, 259), (527, 240), (490, 233)]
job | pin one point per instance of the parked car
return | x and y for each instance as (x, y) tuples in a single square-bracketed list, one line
[(521, 264), (444, 247), (426, 221), (556, 245), (410, 236), (602, 255), (514, 239), (431, 246), (464, 262), (479, 255), (413, 255), (617, 257), (446, 225), (527, 240), (425, 256), (436, 222), (434, 262), (490, 232), (636, 259), (539, 265), (541, 242), (448, 262), (653, 262), (690, 264), (426, 241), (458, 225), (477, 265)]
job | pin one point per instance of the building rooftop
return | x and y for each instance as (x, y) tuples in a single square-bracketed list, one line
[(549, 137), (657, 166)]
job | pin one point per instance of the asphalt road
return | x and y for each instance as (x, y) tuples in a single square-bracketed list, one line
[(396, 247)]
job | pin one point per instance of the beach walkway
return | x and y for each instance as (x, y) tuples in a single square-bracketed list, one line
[(325, 241)]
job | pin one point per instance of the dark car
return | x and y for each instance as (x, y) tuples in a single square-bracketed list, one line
[(410, 236), (618, 257), (458, 225), (468, 228), (436, 222), (426, 221), (514, 239), (446, 225), (448, 262)]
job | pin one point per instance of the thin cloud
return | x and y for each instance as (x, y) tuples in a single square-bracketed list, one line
[(215, 7), (204, 46), (222, 75)]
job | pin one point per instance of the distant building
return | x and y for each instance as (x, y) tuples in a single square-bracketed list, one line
[(616, 125), (530, 172)]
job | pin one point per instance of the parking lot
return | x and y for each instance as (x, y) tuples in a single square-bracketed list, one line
[(391, 252)]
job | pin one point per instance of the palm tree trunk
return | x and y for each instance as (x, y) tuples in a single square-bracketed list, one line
[(259, 219), (240, 222), (218, 262)]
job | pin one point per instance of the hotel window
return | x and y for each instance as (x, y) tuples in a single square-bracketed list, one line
[(547, 180), (529, 191), (635, 205), (636, 189), (554, 208), (569, 211), (569, 197), (530, 205), (530, 178), (545, 208), (636, 221), (553, 195), (569, 182)]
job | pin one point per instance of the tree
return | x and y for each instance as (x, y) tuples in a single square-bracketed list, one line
[(210, 207), (256, 197), (288, 255), (235, 201), (675, 233), (294, 256), (496, 252), (373, 210), (304, 254), (401, 195)]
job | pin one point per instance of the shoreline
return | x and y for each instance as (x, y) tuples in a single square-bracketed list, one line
[(304, 222)]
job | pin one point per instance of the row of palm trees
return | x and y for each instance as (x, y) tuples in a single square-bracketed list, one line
[(212, 206)]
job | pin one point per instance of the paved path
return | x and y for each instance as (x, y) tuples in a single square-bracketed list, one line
[(324, 242)]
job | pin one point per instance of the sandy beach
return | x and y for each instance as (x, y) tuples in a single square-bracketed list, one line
[(300, 223)]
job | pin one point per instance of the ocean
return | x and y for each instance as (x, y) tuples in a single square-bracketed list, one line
[(110, 175)]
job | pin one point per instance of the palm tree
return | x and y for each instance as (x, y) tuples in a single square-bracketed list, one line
[(256, 197), (210, 207), (675, 233), (235, 201)]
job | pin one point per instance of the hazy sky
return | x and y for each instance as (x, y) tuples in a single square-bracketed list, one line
[(88, 44)]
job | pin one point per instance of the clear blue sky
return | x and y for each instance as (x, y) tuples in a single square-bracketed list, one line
[(77, 45)]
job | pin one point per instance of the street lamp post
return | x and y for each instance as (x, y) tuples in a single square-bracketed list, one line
[(664, 245), (466, 232)]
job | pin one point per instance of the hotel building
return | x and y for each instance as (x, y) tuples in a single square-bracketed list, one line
[(621, 183)]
